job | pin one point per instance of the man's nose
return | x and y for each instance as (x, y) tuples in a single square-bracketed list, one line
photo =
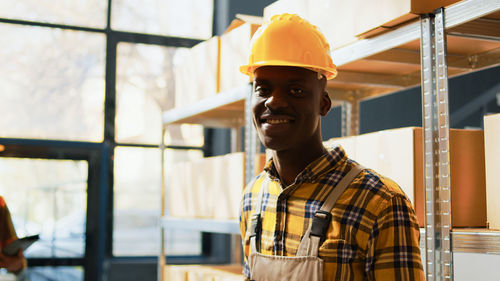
[(276, 100)]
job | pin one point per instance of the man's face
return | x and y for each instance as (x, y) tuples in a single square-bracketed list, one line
[(288, 103)]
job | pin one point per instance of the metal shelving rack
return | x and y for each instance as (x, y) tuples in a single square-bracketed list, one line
[(419, 50), (462, 38), (231, 109)]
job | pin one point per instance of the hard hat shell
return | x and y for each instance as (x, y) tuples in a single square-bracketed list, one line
[(289, 40)]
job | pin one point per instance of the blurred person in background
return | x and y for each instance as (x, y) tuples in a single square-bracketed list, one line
[(15, 264)]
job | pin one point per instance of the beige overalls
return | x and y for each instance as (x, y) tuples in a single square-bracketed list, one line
[(306, 265)]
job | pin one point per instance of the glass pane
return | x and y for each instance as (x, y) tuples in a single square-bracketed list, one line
[(145, 88), (189, 18), (136, 201), (137, 206), (89, 13), (51, 83), (59, 273), (47, 197)]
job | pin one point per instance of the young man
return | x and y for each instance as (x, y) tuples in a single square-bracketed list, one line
[(314, 214)]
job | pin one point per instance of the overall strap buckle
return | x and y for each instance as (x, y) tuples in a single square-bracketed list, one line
[(320, 223), (255, 225)]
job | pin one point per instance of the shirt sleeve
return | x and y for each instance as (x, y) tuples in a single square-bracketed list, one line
[(393, 251), (245, 208)]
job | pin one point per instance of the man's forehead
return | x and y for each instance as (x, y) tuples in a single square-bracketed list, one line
[(297, 74)]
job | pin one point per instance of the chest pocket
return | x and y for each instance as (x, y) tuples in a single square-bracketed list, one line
[(340, 259), (337, 251)]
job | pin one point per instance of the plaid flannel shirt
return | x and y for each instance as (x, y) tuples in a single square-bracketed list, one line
[(373, 235)]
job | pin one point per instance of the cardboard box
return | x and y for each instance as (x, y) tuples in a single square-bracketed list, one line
[(234, 51), (299, 7), (324, 14), (343, 22), (398, 154), (210, 187), (228, 180), (196, 72), (180, 194), (492, 158), (389, 13)]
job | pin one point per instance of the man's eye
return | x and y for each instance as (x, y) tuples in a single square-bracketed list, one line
[(261, 91), (296, 91)]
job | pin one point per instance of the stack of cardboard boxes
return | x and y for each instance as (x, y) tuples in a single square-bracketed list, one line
[(212, 66), (208, 188), (398, 155)]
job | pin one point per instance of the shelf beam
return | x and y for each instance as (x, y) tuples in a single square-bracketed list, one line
[(476, 241), (370, 46), (221, 110), (472, 240), (366, 79), (466, 11)]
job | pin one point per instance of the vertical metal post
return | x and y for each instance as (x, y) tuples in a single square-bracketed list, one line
[(439, 264), (355, 115), (443, 145), (236, 246), (346, 110), (251, 143), (161, 258), (235, 139)]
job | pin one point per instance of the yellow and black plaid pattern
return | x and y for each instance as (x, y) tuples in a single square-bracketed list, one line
[(373, 235)]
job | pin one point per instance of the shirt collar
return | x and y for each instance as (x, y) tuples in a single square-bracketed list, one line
[(315, 169)]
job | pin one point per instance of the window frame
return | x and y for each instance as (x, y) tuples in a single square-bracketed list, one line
[(99, 227)]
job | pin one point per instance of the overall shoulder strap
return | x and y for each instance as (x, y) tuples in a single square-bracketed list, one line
[(255, 221), (321, 221)]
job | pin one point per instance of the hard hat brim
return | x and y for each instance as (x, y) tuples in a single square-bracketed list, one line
[(249, 69)]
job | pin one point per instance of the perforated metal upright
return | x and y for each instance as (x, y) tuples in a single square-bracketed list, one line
[(252, 145), (438, 250), (161, 257), (346, 119)]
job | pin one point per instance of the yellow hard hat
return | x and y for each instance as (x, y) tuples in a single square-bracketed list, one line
[(289, 40)]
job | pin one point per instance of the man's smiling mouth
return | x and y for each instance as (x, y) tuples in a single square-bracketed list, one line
[(276, 121)]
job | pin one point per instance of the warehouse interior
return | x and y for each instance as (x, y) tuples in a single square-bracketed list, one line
[(88, 152)]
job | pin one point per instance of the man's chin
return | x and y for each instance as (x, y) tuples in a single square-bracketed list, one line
[(276, 145)]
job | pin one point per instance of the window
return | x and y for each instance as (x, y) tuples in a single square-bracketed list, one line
[(188, 18), (72, 87), (145, 88), (47, 197), (51, 83), (89, 13)]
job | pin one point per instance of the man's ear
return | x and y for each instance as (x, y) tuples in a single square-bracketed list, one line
[(326, 104)]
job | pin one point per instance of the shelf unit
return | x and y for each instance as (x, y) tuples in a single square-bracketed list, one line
[(463, 38), (231, 109)]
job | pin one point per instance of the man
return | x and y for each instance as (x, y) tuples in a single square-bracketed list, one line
[(16, 263), (314, 214)]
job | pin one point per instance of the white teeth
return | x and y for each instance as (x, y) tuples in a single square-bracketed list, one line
[(277, 121)]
